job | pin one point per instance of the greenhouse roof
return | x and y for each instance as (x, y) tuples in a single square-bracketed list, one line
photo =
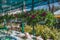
[(57, 12), (7, 5)]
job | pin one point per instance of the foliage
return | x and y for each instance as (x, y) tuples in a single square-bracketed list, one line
[(7, 17), (47, 32), (39, 16), (44, 31), (1, 26), (28, 28)]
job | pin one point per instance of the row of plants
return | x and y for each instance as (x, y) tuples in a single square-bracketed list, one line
[(44, 18), (7, 17), (34, 19), (38, 16), (44, 31)]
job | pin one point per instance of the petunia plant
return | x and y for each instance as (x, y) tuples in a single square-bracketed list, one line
[(40, 16)]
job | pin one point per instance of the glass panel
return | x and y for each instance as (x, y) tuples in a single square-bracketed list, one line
[(18, 3)]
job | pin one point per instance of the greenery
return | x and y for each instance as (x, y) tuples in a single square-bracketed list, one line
[(46, 18), (1, 26), (44, 31), (39, 16), (7, 17)]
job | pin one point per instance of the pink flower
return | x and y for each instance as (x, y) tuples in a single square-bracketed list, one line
[(33, 16)]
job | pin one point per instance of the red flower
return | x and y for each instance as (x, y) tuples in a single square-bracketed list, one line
[(43, 14), (33, 16)]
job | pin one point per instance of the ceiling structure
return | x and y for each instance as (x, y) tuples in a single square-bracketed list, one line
[(7, 5)]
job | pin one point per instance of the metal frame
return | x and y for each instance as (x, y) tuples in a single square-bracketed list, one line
[(19, 4)]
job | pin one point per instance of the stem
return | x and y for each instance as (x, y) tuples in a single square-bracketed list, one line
[(33, 30), (32, 5), (22, 27), (49, 5)]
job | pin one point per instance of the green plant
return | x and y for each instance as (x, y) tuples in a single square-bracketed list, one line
[(32, 18), (39, 16), (1, 27), (45, 31)]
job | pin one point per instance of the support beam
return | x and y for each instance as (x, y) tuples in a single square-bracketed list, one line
[(32, 5)]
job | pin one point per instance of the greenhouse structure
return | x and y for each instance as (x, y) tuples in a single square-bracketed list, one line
[(29, 19), (7, 5)]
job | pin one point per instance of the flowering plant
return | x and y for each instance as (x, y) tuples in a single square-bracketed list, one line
[(40, 16)]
